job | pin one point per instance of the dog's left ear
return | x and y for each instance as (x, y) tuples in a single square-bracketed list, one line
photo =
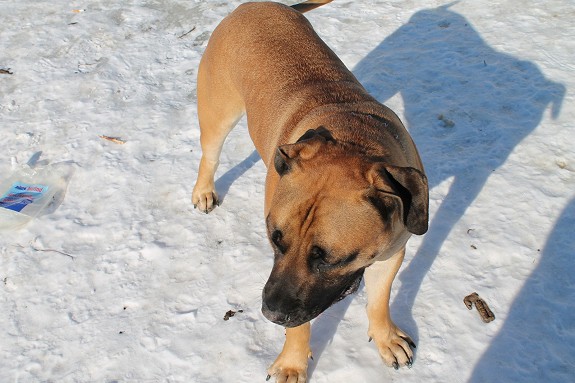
[(411, 185), (304, 148)]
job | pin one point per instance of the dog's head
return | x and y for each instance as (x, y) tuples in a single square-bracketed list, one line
[(333, 214)]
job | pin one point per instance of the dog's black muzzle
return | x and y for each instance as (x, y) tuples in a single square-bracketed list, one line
[(290, 303)]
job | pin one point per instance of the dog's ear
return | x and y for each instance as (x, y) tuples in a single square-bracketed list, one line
[(319, 132), (411, 186), (304, 148)]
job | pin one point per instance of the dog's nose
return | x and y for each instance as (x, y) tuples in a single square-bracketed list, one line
[(274, 315), (282, 300)]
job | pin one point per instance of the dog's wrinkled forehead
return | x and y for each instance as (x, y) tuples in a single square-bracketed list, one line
[(342, 221)]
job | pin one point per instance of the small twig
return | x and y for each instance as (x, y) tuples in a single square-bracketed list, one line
[(116, 140), (187, 33), (6, 71), (49, 250)]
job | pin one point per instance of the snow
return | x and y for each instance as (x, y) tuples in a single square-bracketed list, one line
[(125, 282)]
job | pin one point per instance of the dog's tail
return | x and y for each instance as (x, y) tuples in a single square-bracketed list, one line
[(309, 5)]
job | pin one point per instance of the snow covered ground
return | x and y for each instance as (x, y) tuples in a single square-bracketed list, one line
[(125, 282)]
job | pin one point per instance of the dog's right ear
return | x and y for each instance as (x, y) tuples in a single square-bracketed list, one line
[(305, 148)]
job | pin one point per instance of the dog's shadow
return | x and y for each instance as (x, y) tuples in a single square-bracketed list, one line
[(224, 182), (538, 331), (467, 106)]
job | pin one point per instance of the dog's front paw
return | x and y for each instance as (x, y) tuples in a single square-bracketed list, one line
[(205, 198), (395, 346), (290, 367)]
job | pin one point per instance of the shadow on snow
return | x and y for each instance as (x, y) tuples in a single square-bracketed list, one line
[(467, 106), (539, 331)]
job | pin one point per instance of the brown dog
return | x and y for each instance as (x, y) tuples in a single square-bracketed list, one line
[(345, 187)]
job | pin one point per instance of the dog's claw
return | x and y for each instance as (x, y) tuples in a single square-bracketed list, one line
[(268, 377), (396, 365), (409, 363), (409, 341), (370, 339)]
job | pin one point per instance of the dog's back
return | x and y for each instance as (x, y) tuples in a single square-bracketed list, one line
[(301, 71)]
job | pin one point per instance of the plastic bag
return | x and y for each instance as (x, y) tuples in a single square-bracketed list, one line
[(29, 192)]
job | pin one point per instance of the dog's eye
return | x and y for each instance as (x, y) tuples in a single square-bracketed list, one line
[(317, 253), (276, 238), (318, 259)]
